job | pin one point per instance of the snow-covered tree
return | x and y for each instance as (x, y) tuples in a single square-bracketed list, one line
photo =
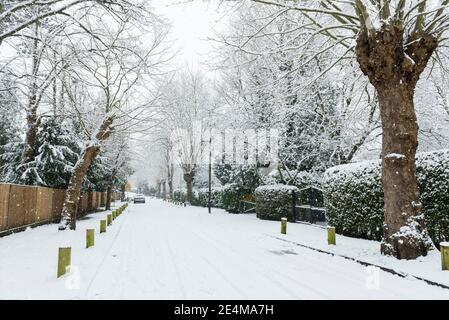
[(186, 119), (55, 155), (322, 122), (393, 42), (105, 86)]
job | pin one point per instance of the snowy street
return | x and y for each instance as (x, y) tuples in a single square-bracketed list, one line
[(161, 251)]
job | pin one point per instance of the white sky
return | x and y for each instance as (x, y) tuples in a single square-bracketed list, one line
[(192, 23)]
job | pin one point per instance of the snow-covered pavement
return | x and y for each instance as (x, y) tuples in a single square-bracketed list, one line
[(159, 250)]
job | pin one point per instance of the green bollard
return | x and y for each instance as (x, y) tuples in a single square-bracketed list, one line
[(331, 235), (64, 260), (284, 225), (102, 226), (444, 248), (109, 219), (90, 238)]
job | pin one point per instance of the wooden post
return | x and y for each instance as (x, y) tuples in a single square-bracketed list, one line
[(331, 235), (102, 226), (64, 260), (444, 248), (109, 219), (284, 225), (90, 238)]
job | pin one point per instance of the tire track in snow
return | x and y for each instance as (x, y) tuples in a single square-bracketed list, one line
[(234, 256), (106, 255)]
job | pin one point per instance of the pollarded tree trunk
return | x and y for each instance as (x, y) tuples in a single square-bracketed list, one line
[(394, 71), (188, 178), (69, 210)]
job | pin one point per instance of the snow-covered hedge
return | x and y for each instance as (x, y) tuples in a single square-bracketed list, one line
[(274, 202), (227, 197), (231, 195), (354, 196), (201, 197)]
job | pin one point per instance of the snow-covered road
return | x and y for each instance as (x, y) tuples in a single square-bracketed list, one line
[(161, 251)]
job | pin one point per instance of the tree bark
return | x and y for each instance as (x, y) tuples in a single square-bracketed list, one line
[(123, 192), (164, 190), (30, 136), (31, 111), (170, 169), (394, 71), (69, 210), (405, 234), (188, 178), (108, 197)]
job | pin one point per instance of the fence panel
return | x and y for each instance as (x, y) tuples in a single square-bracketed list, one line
[(4, 201), (44, 204), (22, 206), (103, 199), (98, 199), (84, 202), (58, 202), (26, 205)]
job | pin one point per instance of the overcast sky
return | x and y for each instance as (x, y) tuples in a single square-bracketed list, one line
[(192, 23)]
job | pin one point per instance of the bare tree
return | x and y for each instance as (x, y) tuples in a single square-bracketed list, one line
[(393, 42), (105, 88), (18, 15), (183, 125)]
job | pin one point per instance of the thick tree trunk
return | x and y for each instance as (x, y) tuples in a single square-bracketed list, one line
[(123, 190), (69, 209), (170, 188), (405, 234), (164, 190), (188, 178), (108, 197), (170, 180), (394, 71)]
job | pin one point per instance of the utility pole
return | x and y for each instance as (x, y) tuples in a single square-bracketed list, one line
[(210, 171)]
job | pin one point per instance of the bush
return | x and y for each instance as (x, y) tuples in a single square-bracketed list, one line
[(354, 196), (201, 197), (179, 195), (227, 197), (231, 195), (274, 202)]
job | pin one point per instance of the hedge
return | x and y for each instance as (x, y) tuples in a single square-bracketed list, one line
[(274, 202), (227, 197), (354, 196)]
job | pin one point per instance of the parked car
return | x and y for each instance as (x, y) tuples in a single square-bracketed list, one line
[(139, 198)]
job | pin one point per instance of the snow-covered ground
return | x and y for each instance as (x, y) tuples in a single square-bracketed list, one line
[(159, 250)]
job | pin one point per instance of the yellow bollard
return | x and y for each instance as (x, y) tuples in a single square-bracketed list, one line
[(284, 225), (64, 260), (90, 238), (109, 219), (331, 235), (102, 226), (444, 248)]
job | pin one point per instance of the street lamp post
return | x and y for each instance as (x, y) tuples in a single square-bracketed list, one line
[(210, 172)]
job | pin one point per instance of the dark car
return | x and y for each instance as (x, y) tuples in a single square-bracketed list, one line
[(139, 198)]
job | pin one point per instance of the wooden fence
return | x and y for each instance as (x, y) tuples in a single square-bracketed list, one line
[(22, 206)]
